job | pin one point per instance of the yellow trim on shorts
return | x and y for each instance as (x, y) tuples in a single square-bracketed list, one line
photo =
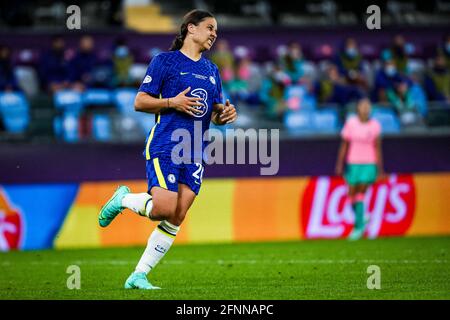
[(159, 175), (147, 147)]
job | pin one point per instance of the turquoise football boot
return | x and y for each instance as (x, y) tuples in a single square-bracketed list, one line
[(358, 230), (138, 280), (113, 207), (356, 234)]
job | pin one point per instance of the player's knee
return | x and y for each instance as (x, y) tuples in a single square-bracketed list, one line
[(162, 211)]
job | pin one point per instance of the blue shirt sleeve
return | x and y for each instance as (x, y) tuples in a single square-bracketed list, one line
[(218, 97), (154, 77)]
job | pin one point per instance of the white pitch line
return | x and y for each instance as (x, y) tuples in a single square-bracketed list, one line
[(226, 262)]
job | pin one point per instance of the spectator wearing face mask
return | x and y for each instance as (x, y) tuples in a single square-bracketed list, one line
[(400, 53), (350, 64), (393, 88), (122, 62), (437, 81)]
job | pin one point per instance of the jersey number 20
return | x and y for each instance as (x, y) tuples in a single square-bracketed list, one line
[(198, 174)]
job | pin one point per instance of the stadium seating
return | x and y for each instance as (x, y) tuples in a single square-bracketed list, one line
[(14, 110), (325, 121), (297, 98), (68, 101), (67, 127), (96, 97), (101, 127), (305, 122), (299, 122), (318, 54), (27, 79), (388, 120), (420, 99), (386, 116), (137, 72), (310, 70), (124, 100)]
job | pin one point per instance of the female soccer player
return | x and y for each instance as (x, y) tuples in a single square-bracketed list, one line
[(184, 91), (361, 147)]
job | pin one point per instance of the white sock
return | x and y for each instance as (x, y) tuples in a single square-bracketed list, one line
[(158, 244), (141, 203)]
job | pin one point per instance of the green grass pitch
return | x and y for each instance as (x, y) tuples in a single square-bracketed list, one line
[(411, 268)]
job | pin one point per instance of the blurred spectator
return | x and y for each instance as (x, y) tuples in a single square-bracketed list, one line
[(444, 50), (8, 81), (350, 64), (224, 60), (292, 62), (333, 89), (81, 67), (437, 80), (272, 92), (239, 88), (122, 61), (400, 52), (54, 66), (394, 88)]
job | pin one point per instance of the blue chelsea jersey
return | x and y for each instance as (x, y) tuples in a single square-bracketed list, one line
[(168, 74)]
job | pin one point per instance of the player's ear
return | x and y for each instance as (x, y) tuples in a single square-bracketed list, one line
[(191, 28)]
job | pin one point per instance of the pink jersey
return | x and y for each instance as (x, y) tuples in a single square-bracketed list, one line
[(361, 137)]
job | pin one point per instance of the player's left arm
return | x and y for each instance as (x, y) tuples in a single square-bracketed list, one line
[(223, 113)]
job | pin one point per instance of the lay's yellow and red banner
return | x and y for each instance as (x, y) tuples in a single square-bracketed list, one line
[(226, 210)]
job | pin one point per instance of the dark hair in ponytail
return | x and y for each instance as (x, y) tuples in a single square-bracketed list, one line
[(194, 17)]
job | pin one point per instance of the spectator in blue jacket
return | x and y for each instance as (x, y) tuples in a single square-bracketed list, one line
[(393, 87), (333, 89)]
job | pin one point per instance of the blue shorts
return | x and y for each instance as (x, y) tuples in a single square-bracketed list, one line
[(162, 172)]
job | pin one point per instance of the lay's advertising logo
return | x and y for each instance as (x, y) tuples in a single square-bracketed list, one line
[(326, 211)]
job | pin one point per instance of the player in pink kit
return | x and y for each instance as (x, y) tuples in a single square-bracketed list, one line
[(361, 151)]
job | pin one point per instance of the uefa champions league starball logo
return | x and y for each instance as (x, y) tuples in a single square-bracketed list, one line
[(147, 79), (203, 95)]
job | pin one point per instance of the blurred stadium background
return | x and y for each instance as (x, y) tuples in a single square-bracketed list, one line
[(69, 133), (296, 67)]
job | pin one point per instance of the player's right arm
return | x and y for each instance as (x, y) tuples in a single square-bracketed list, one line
[(341, 157), (144, 102), (345, 135)]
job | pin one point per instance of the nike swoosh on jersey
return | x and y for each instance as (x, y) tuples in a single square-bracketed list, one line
[(183, 73)]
